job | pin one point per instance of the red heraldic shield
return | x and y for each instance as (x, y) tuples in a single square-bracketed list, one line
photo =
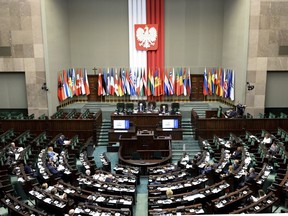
[(146, 36)]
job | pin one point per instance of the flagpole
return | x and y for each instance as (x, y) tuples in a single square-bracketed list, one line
[(95, 69)]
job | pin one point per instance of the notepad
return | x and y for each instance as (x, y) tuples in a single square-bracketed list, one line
[(120, 131)]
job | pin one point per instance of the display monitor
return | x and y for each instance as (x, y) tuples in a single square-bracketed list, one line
[(169, 123), (121, 124)]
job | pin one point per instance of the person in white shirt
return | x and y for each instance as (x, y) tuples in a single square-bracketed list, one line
[(267, 139), (261, 194)]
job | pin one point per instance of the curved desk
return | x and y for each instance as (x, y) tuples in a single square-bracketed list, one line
[(145, 150)]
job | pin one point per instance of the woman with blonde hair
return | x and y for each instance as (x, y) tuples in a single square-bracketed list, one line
[(169, 193)]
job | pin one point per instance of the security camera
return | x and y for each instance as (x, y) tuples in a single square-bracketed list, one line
[(249, 86)]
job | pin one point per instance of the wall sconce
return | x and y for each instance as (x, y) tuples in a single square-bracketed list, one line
[(250, 87), (44, 87)]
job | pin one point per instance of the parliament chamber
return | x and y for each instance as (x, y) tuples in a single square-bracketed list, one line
[(201, 183)]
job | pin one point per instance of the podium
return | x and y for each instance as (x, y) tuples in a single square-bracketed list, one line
[(140, 150)]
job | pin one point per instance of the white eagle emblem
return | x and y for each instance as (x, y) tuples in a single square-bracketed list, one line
[(146, 37)]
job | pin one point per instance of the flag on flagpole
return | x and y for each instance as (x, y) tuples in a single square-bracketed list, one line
[(66, 87), (215, 81), (64, 90), (225, 83), (78, 89), (100, 84), (127, 83), (138, 77), (73, 82), (205, 83), (150, 84), (209, 83), (60, 88), (232, 85), (112, 90), (212, 81), (172, 81), (82, 83), (144, 83), (104, 82), (123, 77), (188, 85), (120, 85), (108, 82), (142, 89), (86, 82), (221, 82), (177, 85), (184, 82), (181, 81), (131, 83), (157, 81), (69, 81), (116, 83), (167, 88)]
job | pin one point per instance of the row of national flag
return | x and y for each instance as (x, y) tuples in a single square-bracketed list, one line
[(220, 82), (143, 82), (72, 83)]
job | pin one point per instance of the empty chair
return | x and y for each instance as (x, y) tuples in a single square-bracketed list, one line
[(164, 108), (129, 107), (219, 112), (120, 107), (141, 106), (175, 107)]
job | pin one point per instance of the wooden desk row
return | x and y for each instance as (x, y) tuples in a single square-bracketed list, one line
[(18, 207), (207, 127), (84, 127), (189, 198), (178, 187)]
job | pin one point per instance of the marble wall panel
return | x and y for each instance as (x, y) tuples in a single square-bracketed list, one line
[(26, 22), (259, 101), (254, 22), (251, 76), (283, 37), (17, 51), (18, 64), (277, 63), (260, 88), (261, 77), (25, 8), (28, 50), (253, 43)]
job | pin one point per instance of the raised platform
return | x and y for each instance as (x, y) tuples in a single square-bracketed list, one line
[(185, 107)]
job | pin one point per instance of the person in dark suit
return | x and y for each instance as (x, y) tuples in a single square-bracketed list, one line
[(53, 169), (235, 164), (249, 177), (61, 141), (29, 170), (237, 153)]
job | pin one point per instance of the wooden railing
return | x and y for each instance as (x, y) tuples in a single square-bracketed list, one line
[(207, 127)]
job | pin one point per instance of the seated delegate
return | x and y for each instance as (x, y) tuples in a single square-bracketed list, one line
[(61, 141)]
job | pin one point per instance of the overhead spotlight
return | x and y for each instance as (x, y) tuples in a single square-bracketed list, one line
[(249, 86), (44, 87)]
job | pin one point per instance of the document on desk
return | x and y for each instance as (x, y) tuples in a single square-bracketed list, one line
[(167, 129), (194, 196), (120, 131)]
